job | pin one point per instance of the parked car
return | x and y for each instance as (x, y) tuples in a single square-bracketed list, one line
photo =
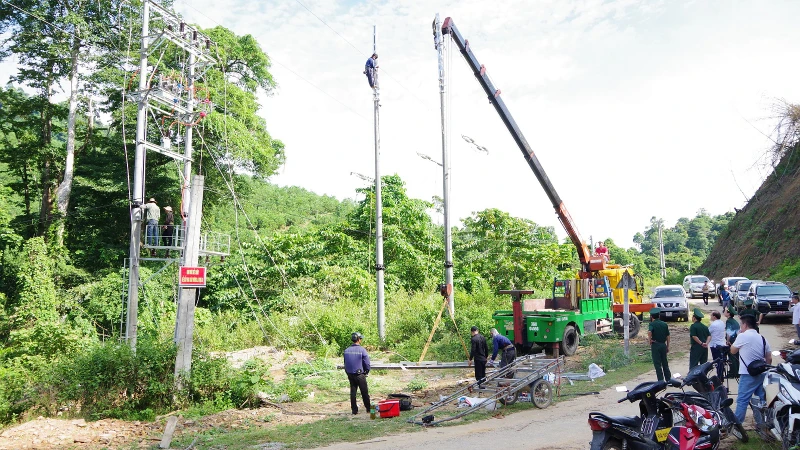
[(693, 285), (741, 290), (671, 298), (730, 282), (772, 297)]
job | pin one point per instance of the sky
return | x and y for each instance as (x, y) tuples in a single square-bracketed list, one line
[(634, 108)]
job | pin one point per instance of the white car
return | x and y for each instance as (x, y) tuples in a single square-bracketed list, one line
[(671, 299), (693, 285)]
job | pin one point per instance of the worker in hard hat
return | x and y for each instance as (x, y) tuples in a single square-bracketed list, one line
[(356, 365), (371, 70)]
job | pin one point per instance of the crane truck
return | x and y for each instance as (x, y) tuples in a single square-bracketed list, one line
[(590, 303)]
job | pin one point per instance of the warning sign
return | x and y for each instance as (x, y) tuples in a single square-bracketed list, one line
[(192, 277)]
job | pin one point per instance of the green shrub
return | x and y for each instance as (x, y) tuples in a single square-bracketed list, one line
[(417, 384)]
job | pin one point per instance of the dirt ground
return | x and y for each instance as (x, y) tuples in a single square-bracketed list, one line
[(561, 426)]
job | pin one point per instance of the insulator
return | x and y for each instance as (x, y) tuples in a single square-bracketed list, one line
[(208, 44), (183, 27), (169, 27), (194, 35)]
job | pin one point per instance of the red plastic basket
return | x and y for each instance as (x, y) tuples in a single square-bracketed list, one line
[(389, 408)]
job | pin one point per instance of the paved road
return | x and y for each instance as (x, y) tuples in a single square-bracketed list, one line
[(562, 426)]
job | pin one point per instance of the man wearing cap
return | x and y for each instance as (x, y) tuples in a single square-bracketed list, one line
[(659, 345), (370, 69), (478, 353), (152, 215), (700, 338), (500, 342), (356, 366), (168, 228), (731, 331), (750, 310)]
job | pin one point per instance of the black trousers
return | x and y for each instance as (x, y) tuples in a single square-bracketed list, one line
[(480, 370), (508, 356), (358, 381)]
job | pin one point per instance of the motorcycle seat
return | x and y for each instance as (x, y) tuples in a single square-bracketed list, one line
[(633, 422)]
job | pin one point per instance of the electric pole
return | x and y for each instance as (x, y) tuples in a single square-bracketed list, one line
[(448, 244), (172, 97), (378, 202), (137, 201)]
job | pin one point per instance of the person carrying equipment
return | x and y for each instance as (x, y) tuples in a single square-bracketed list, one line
[(371, 70)]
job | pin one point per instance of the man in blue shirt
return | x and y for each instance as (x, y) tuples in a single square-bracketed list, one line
[(500, 342), (356, 365), (370, 69)]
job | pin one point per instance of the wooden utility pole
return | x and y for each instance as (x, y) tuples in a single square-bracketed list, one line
[(184, 326)]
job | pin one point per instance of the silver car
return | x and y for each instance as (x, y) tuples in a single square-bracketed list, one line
[(671, 299), (739, 292), (693, 284)]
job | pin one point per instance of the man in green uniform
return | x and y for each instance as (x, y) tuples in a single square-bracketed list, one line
[(750, 310), (700, 337), (659, 345), (731, 331)]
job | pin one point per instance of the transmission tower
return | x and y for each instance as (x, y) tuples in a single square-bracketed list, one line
[(171, 97)]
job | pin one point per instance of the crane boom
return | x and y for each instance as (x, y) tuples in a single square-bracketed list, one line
[(588, 263)]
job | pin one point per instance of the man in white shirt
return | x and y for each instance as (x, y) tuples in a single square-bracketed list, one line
[(750, 346), (796, 314), (717, 345)]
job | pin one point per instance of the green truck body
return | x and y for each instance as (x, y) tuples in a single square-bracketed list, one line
[(577, 308)]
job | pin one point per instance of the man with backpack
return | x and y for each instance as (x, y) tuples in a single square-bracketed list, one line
[(754, 354)]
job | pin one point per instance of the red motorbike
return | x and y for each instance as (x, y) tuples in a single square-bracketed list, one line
[(700, 431)]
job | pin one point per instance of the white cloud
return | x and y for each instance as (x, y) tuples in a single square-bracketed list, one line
[(635, 108)]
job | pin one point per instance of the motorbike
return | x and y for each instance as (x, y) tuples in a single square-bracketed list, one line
[(779, 416), (655, 427), (711, 394)]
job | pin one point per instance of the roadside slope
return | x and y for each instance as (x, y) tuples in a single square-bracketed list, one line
[(765, 234)]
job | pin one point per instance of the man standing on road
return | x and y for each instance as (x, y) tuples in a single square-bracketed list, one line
[(500, 342), (750, 346), (717, 330), (725, 297), (477, 354), (796, 313), (706, 290), (659, 345), (356, 365), (750, 311), (700, 337)]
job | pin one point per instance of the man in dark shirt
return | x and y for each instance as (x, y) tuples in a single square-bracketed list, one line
[(700, 338), (356, 365), (478, 353), (750, 310), (370, 69), (500, 342), (659, 345)]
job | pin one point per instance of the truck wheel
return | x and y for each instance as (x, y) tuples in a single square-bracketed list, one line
[(634, 327), (569, 343), (541, 393)]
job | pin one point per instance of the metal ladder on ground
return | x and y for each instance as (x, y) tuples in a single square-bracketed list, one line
[(503, 385)]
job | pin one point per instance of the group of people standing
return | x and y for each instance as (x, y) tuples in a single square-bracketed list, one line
[(153, 235), (737, 341)]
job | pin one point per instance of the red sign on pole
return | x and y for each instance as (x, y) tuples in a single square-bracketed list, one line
[(192, 277)]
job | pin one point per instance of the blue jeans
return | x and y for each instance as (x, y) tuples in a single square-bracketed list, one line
[(748, 385), (152, 232), (797, 328)]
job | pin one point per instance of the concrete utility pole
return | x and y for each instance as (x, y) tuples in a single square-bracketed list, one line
[(378, 201), (448, 238), (187, 149), (184, 326), (132, 316)]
